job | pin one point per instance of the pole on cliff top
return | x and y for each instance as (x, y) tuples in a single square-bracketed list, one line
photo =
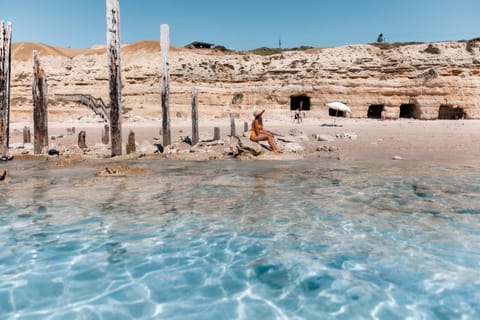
[(114, 67)]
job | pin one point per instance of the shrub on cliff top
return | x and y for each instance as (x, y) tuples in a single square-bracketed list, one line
[(432, 50), (265, 51)]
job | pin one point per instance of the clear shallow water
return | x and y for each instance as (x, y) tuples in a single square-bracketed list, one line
[(246, 240)]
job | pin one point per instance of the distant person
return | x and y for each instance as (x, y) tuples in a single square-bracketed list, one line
[(258, 133), (297, 116), (380, 38)]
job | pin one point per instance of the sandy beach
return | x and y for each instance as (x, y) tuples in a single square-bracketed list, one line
[(348, 140)]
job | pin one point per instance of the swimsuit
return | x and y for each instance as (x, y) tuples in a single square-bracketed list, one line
[(253, 134)]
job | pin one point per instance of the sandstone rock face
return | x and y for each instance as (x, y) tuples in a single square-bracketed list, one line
[(423, 81)]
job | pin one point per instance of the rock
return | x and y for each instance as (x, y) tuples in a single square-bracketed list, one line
[(16, 146), (397, 158), (326, 148), (292, 147), (323, 137), (247, 146), (53, 152), (347, 135)]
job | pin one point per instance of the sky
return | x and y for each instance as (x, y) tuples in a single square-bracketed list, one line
[(245, 24)]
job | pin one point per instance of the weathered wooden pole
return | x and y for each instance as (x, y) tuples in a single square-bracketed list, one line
[(165, 77), (105, 134), (114, 68), (82, 137), (5, 62), (195, 135), (216, 133), (26, 135), (131, 143), (40, 106), (233, 130)]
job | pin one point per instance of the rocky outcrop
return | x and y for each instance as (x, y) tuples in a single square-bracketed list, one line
[(424, 81)]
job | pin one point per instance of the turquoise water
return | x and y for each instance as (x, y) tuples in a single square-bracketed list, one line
[(241, 240)]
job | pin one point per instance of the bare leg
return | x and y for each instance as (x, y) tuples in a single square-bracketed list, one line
[(273, 144)]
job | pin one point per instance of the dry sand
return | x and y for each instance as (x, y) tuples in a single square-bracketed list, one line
[(449, 141)]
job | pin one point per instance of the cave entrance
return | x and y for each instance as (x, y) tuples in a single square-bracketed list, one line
[(448, 112), (301, 102), (409, 110), (375, 111)]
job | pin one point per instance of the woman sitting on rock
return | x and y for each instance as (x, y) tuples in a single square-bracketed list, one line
[(258, 134)]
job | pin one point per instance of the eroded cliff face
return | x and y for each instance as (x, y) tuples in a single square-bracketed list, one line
[(424, 81)]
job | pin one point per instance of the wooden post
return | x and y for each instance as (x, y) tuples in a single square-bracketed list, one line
[(26, 135), (131, 143), (164, 82), (232, 126), (195, 135), (114, 67), (82, 135), (5, 62), (105, 134), (40, 101), (216, 133)]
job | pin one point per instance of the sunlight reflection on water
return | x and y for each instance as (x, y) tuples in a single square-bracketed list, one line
[(241, 240)]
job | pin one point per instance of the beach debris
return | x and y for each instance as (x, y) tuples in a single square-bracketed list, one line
[(4, 178), (57, 136), (323, 137), (159, 147), (53, 152), (186, 139), (326, 148), (398, 158), (6, 158), (347, 135), (120, 171)]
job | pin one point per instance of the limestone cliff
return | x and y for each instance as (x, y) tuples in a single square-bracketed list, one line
[(424, 81)]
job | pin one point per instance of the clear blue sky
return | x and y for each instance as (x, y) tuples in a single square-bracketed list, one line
[(245, 24)]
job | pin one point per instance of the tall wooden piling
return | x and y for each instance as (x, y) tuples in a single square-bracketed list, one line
[(195, 135), (164, 82), (40, 106), (114, 67), (5, 62)]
